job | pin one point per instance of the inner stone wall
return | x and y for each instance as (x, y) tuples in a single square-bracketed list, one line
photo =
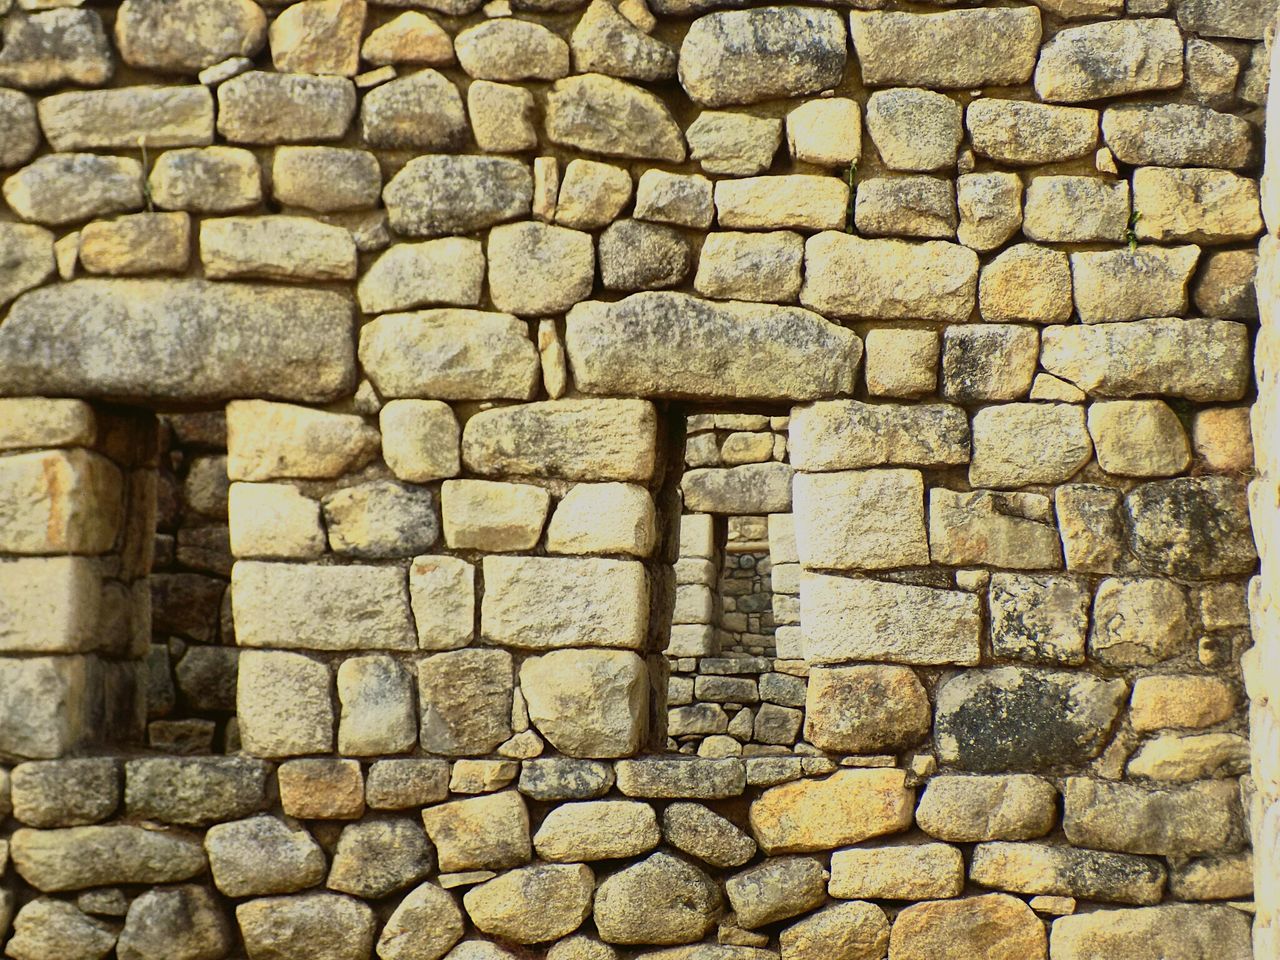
[(457, 273)]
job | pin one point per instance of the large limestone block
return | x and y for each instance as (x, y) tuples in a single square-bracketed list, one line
[(318, 36), (995, 926), (1118, 285), (450, 355), (1062, 871), (1026, 282), (866, 709), (851, 434), (1181, 821), (588, 703), (849, 620), (29, 258), (312, 926), (1178, 135), (788, 202), (186, 36), (484, 833), (779, 888), (51, 47), (1017, 444), (848, 807), (660, 900), (906, 207), (1071, 209), (570, 439), (752, 488), (675, 345), (1023, 132), (442, 594), (1018, 718), (1243, 19), (860, 520), (854, 278), (510, 49), (55, 928), (178, 340), (312, 607), (268, 440), (120, 119), (264, 108), (1201, 360), (597, 830), (988, 361), (600, 114), (1197, 205), (1176, 931), (959, 49), (908, 871), (284, 704), (49, 604), (274, 520), (540, 603), (45, 705), (533, 904), (376, 694), (1110, 59), (964, 809), (465, 698), (1192, 527), (746, 56), (64, 188), (59, 501), (443, 194), (985, 527), (604, 518), (77, 858)]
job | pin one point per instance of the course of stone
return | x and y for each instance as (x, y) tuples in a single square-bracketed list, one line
[(608, 480)]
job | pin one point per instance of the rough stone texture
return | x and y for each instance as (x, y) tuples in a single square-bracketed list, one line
[(118, 119), (484, 833), (587, 703), (206, 180), (964, 809), (67, 188), (1017, 444), (1196, 205), (77, 858), (1015, 718), (849, 434), (1067, 209), (264, 108), (440, 194), (282, 700), (701, 833), (866, 519), (195, 791), (323, 926), (182, 923), (1041, 619), (847, 620), (660, 900), (914, 129), (600, 114), (844, 931), (51, 47), (263, 855), (1117, 285), (1178, 135), (606, 41), (426, 924), (1191, 527), (635, 255), (914, 871), (535, 269), (854, 278), (1170, 932), (1026, 282), (1185, 821), (776, 890), (49, 928), (1033, 868), (465, 701), (1020, 132), (733, 143), (752, 55), (990, 206), (139, 339), (533, 904), (21, 131), (790, 202), (597, 830), (848, 807), (186, 36), (1109, 60), (956, 49), (995, 926)]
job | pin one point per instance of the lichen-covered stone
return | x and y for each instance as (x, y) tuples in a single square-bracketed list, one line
[(264, 108), (444, 194), (1070, 209), (64, 188), (778, 889), (866, 709), (1244, 19), (1024, 132), (752, 488), (605, 41), (1201, 818), (206, 180), (28, 259), (1110, 59), (263, 855), (54, 928), (319, 926), (194, 791), (635, 255), (704, 834), (1175, 931), (186, 36), (600, 114), (425, 925), (1193, 527), (422, 111), (50, 47), (175, 923), (848, 807), (914, 129), (959, 49), (374, 858), (854, 278), (843, 931), (1016, 718), (660, 900), (65, 793), (850, 435), (77, 858), (1039, 618), (1036, 868), (745, 56), (922, 207), (629, 348), (1178, 135), (18, 127), (849, 620)]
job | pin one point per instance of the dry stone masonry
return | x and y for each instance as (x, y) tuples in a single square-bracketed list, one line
[(638, 480)]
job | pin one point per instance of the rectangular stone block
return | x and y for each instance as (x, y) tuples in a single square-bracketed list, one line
[(465, 697), (686, 778), (161, 116), (571, 439), (850, 435), (314, 607), (284, 704), (1199, 818), (697, 535), (59, 501), (798, 202), (751, 489), (916, 871), (442, 592), (848, 620), (861, 520), (46, 704), (692, 640), (49, 604), (541, 603), (38, 422)]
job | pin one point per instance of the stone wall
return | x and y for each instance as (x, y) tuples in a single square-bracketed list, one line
[(458, 278)]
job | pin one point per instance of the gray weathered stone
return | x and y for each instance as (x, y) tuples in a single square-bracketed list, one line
[(733, 143), (465, 699), (195, 791), (1071, 209), (590, 703), (77, 858), (533, 904), (600, 114), (381, 518), (1023, 132), (1118, 285), (66, 188), (51, 47), (422, 112), (681, 778), (374, 858), (866, 709), (445, 194), (1175, 931), (263, 855), (1110, 59), (1041, 619), (426, 924), (745, 56), (28, 258), (65, 793), (923, 207), (847, 620), (1015, 718), (119, 119), (779, 888), (1243, 19), (1042, 869), (635, 255), (1194, 527), (47, 928), (850, 435), (605, 41), (964, 809), (206, 180), (629, 347), (1009, 530), (18, 127), (178, 340), (312, 926), (175, 923), (702, 833), (326, 179), (263, 108), (1178, 135), (509, 49), (448, 271), (660, 900), (187, 36), (1201, 818), (914, 129), (562, 778), (958, 49)]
